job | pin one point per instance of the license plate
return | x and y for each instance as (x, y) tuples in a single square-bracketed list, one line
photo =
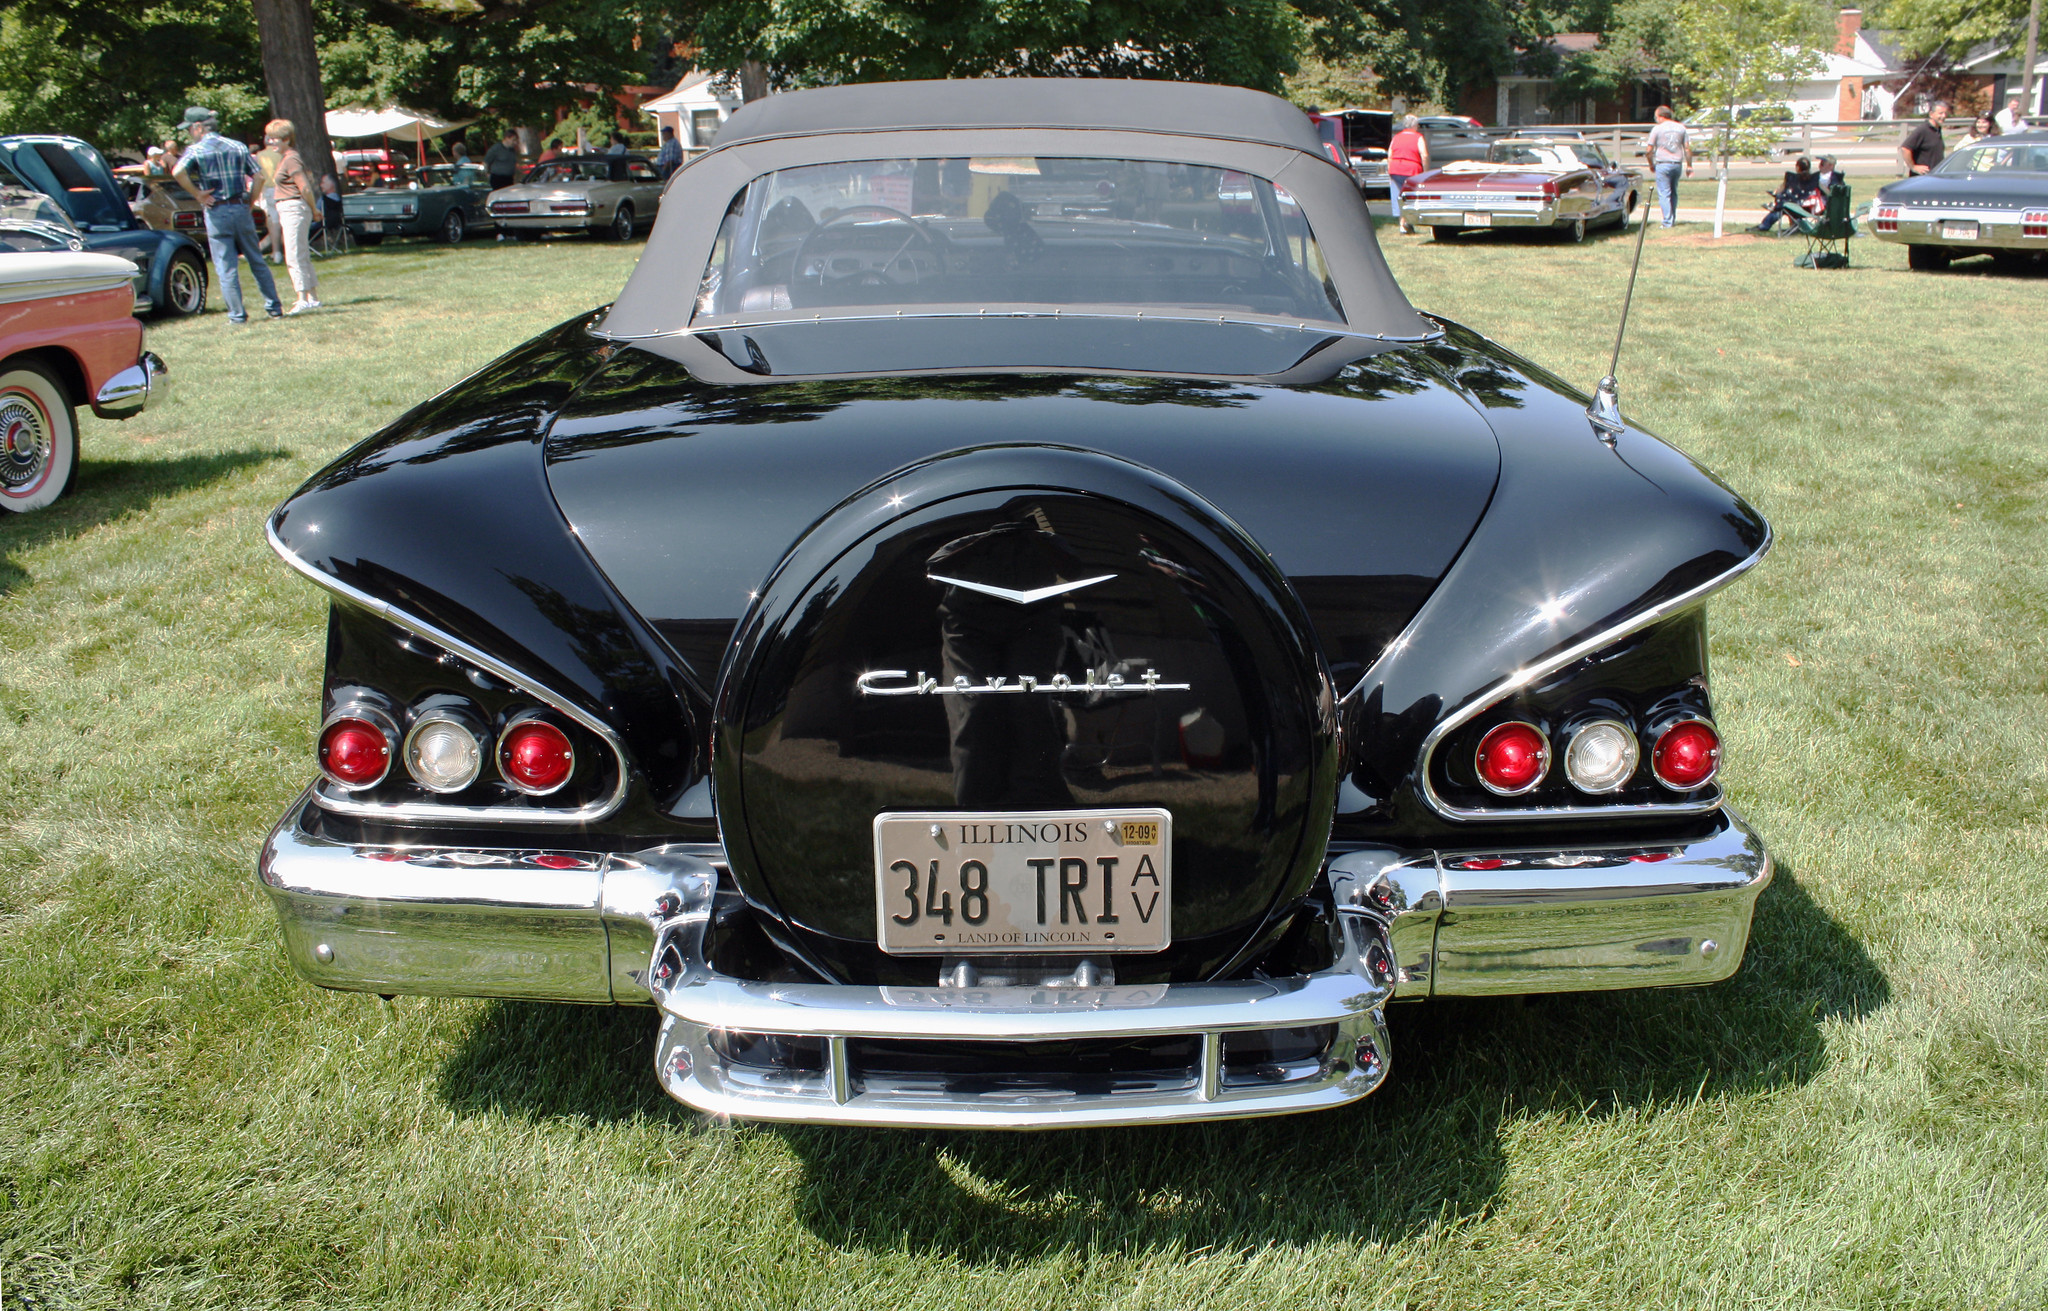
[(1050, 882), (1478, 220), (1957, 230), (374, 225)]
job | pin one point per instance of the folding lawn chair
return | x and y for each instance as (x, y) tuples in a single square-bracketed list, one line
[(1827, 235)]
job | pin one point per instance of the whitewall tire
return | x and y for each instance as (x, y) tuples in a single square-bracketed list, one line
[(38, 438)]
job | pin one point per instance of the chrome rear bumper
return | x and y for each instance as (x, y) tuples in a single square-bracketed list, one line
[(606, 927), (129, 391)]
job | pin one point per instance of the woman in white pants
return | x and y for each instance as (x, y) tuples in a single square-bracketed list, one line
[(294, 215)]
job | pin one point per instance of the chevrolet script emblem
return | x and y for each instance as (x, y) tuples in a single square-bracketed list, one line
[(879, 682), (1031, 597)]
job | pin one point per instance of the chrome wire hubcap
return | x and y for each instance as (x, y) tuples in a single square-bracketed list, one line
[(24, 442), (184, 285)]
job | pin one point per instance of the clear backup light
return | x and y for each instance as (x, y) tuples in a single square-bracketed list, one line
[(355, 747), (535, 757), (1687, 755), (1512, 759), (1602, 757), (444, 752)]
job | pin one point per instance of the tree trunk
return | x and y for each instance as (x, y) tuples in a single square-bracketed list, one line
[(291, 69), (753, 80), (2027, 100)]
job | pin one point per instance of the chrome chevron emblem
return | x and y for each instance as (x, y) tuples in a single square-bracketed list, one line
[(1031, 597)]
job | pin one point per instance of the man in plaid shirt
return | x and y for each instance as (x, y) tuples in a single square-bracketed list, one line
[(226, 171)]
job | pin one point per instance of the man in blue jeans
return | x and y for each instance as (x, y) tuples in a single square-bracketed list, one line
[(226, 172), (1669, 147)]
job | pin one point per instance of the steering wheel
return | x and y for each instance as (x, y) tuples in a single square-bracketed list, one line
[(868, 275)]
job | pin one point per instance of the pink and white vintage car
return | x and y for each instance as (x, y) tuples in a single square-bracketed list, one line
[(68, 336)]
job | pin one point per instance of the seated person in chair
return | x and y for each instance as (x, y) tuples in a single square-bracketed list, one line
[(1798, 187)]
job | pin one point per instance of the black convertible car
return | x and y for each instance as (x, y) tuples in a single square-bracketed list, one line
[(1011, 619)]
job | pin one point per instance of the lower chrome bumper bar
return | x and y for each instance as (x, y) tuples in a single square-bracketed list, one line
[(606, 927)]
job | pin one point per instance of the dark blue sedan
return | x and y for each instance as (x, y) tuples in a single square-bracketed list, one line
[(171, 281)]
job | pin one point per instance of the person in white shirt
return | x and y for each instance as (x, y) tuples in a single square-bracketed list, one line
[(2012, 118), (1670, 150), (1825, 175)]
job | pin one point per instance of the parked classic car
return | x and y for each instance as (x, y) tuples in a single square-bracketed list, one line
[(164, 206), (606, 195), (1539, 182), (1367, 134), (68, 337), (447, 202), (1987, 199), (1033, 640), (170, 268)]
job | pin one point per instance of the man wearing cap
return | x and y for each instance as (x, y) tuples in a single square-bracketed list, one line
[(226, 171)]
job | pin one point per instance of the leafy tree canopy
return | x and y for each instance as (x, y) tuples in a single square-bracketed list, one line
[(1952, 27), (120, 73)]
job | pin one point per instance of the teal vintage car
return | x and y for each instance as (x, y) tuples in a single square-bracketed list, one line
[(444, 201)]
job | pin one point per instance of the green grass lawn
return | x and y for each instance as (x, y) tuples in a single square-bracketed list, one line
[(1855, 1120)]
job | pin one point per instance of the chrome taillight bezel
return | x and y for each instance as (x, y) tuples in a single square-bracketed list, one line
[(517, 722), (1544, 757), (363, 712), (462, 719), (1635, 755), (1657, 740)]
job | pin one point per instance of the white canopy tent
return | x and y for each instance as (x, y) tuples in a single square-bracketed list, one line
[(348, 124), (351, 124)]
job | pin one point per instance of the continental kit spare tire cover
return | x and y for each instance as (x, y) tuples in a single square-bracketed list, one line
[(1137, 577)]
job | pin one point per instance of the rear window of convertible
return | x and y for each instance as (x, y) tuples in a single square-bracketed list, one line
[(1013, 231)]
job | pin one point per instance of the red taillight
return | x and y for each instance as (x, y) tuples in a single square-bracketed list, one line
[(1512, 758), (1886, 218), (1686, 755), (2034, 223), (185, 219), (535, 757), (354, 752), (1550, 191)]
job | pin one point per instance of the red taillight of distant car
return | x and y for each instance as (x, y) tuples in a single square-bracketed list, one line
[(2034, 223), (1886, 218), (354, 752), (187, 219), (509, 207), (535, 757), (1686, 755), (1512, 758)]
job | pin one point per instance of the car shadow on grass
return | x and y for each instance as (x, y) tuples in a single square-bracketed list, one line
[(1424, 1151), (109, 489)]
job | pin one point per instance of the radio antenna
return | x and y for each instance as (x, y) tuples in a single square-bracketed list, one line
[(1605, 411)]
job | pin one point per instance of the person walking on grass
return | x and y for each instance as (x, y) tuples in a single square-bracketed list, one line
[(671, 157), (1407, 157), (293, 213), (1922, 148), (1669, 147), (226, 172)]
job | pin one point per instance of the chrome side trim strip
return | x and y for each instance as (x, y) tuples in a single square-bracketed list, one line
[(401, 811), (70, 285), (1521, 678)]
